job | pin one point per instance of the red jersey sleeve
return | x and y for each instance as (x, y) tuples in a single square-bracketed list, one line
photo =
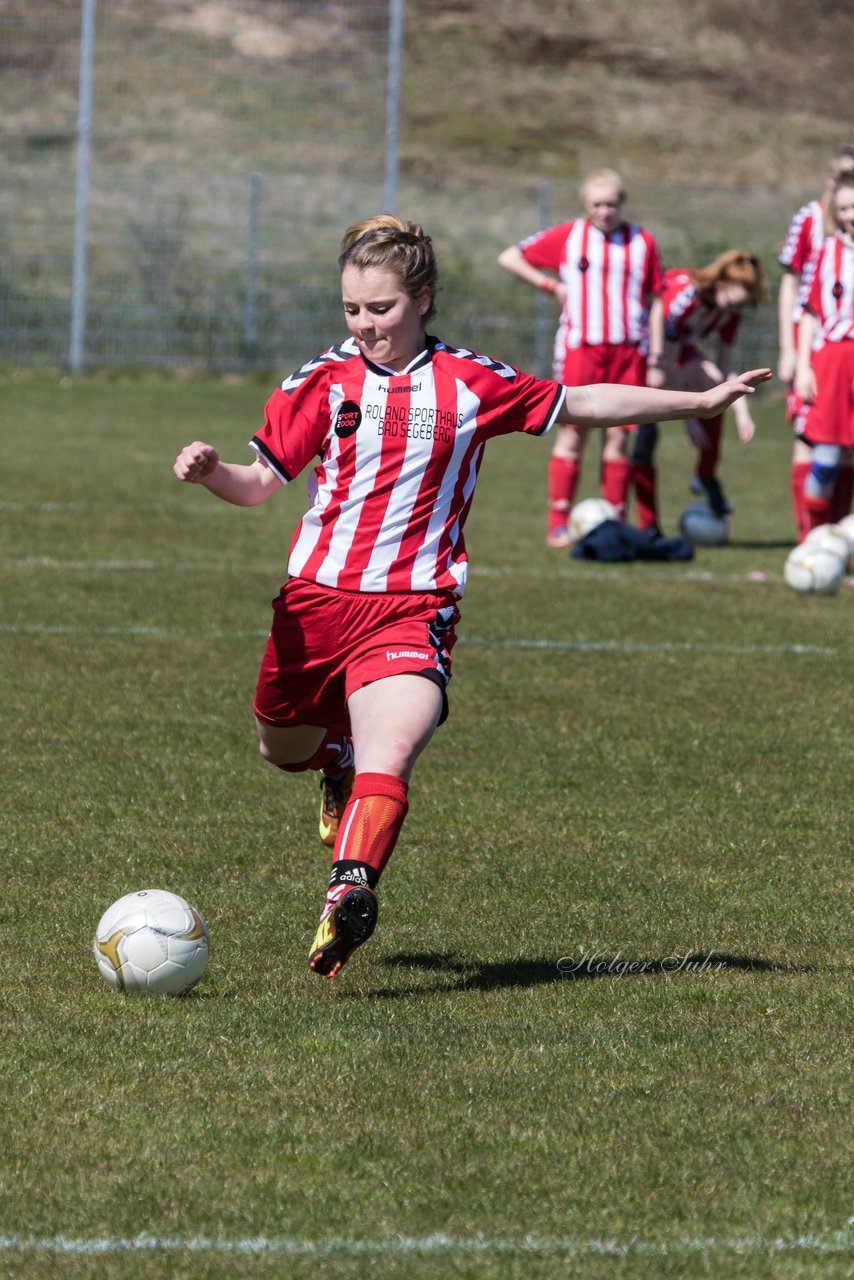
[(654, 284), (547, 249), (799, 245), (814, 301), (512, 401), (296, 425)]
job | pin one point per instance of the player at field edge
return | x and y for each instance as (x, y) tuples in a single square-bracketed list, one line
[(824, 376), (699, 304), (807, 232), (394, 422), (608, 275)]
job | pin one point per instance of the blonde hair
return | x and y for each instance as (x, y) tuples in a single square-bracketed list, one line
[(602, 175), (402, 247), (842, 161), (840, 166), (845, 179), (733, 267)]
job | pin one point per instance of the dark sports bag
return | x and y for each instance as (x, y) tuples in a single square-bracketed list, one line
[(613, 540)]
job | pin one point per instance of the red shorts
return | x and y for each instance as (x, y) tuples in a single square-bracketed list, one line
[(620, 362), (689, 354), (324, 644), (831, 419)]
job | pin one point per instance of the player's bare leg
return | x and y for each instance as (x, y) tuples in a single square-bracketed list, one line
[(392, 721)]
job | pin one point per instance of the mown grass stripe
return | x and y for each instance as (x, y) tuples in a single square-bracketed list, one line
[(497, 642)]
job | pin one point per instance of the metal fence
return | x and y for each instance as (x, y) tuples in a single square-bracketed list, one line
[(231, 141)]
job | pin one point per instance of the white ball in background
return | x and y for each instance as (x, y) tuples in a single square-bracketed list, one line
[(699, 523), (846, 528), (588, 514), (829, 537), (814, 570)]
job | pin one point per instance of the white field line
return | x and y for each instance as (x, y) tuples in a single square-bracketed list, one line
[(483, 642), (567, 1246)]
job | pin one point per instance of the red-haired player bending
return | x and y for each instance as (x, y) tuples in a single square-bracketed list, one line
[(705, 304)]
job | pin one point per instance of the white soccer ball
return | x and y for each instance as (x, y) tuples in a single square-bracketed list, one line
[(151, 941), (846, 528), (584, 517), (700, 524), (814, 569), (829, 537)]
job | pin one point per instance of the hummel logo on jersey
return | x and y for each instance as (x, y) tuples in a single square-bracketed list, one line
[(392, 654), (404, 391)]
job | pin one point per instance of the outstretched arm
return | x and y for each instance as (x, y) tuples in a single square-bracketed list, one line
[(611, 405), (244, 486)]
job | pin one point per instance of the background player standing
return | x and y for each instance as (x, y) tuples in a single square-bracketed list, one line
[(608, 273), (804, 238), (395, 423), (825, 368)]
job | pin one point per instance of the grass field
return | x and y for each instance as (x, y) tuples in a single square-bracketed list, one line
[(523, 1074)]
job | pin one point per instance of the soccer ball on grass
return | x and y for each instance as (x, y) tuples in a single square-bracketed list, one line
[(815, 569), (702, 527), (151, 941), (829, 537), (588, 515)]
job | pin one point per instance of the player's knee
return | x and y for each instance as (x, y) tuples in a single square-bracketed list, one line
[(822, 473)]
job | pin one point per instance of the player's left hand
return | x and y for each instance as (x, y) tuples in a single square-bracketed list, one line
[(719, 398)]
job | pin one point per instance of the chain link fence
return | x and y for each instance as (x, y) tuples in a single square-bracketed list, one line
[(231, 143)]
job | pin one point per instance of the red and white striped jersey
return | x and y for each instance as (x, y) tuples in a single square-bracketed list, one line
[(687, 318), (801, 249), (399, 455), (610, 279), (831, 297)]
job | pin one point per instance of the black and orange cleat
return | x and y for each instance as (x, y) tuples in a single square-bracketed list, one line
[(334, 795), (350, 923)]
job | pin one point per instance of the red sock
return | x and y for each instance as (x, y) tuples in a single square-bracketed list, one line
[(564, 474), (708, 464), (799, 473), (818, 511), (644, 476), (368, 832), (842, 493), (615, 484)]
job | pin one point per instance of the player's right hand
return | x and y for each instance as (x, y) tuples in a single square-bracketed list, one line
[(196, 462)]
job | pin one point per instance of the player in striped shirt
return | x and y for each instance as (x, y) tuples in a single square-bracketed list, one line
[(393, 423), (825, 369), (702, 305), (608, 271), (798, 257)]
